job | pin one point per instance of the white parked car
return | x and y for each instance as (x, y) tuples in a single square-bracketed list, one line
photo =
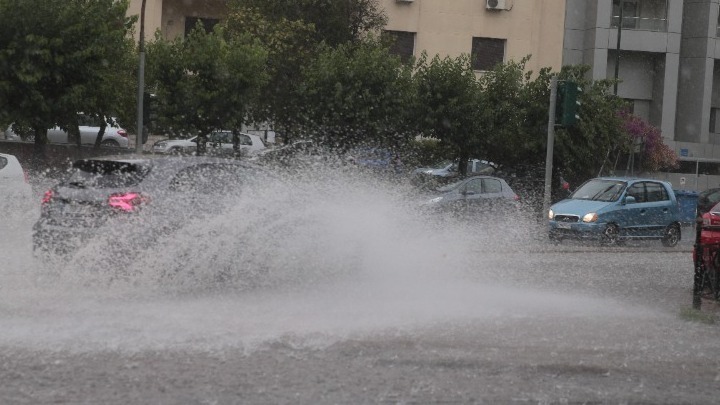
[(13, 182), (218, 142), (449, 168), (20, 209), (114, 135)]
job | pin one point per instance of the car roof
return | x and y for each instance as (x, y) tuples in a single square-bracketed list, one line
[(631, 179), (165, 160)]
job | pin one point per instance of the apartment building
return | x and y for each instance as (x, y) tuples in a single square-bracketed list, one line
[(665, 52), (174, 17), (492, 31)]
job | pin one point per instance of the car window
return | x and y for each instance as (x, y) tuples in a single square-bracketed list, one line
[(221, 137), (637, 190), (656, 192), (709, 196), (492, 186), (3, 162), (450, 186), (600, 190), (105, 174), (474, 185), (244, 140), (206, 179), (89, 120), (442, 165)]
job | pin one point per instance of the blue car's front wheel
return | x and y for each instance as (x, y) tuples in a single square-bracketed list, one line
[(610, 235), (671, 236)]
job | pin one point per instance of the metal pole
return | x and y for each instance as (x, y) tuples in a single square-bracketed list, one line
[(141, 82), (550, 146), (617, 48)]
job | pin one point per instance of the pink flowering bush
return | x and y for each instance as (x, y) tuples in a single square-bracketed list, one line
[(655, 153)]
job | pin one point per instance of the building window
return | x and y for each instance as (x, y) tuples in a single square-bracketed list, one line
[(713, 120), (648, 15), (487, 53), (207, 23), (403, 44)]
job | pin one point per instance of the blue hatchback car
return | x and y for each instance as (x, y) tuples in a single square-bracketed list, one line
[(614, 209)]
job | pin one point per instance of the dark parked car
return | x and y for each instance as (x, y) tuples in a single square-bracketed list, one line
[(117, 195)]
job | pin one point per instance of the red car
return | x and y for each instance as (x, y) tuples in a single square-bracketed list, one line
[(706, 255)]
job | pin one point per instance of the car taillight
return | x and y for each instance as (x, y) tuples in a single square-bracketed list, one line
[(47, 197), (122, 133), (127, 202)]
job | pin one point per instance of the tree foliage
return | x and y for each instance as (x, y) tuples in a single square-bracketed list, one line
[(654, 153), (289, 45), (61, 57), (356, 94), (334, 22), (293, 32), (206, 81), (449, 100)]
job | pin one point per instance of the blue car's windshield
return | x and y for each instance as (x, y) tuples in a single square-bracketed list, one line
[(600, 190)]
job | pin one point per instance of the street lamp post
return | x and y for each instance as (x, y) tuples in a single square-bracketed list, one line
[(141, 82), (617, 48)]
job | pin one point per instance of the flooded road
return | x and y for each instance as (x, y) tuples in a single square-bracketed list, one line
[(351, 299), (538, 328)]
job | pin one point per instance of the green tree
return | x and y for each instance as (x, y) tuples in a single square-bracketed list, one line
[(581, 150), (449, 101), (293, 31), (334, 22), (290, 46), (206, 81), (59, 58), (508, 125), (356, 94)]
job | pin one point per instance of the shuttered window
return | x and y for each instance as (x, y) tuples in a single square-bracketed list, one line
[(403, 44), (207, 23), (487, 52)]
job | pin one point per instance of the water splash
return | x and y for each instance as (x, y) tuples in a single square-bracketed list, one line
[(322, 256)]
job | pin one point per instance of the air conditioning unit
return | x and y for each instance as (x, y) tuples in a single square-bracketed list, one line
[(404, 1), (496, 4)]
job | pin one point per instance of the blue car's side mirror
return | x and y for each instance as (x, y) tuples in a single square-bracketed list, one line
[(630, 199)]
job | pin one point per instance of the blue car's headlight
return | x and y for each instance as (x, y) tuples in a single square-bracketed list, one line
[(551, 214), (590, 217)]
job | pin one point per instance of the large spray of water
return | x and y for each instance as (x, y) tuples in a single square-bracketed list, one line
[(321, 254)]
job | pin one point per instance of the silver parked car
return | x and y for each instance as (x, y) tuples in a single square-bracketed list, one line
[(114, 136), (219, 142), (476, 195)]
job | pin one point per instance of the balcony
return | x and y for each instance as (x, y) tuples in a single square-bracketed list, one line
[(641, 15)]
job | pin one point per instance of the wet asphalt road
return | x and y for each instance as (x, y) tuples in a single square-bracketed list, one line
[(569, 323)]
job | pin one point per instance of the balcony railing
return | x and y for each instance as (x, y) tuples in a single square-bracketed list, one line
[(641, 23)]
